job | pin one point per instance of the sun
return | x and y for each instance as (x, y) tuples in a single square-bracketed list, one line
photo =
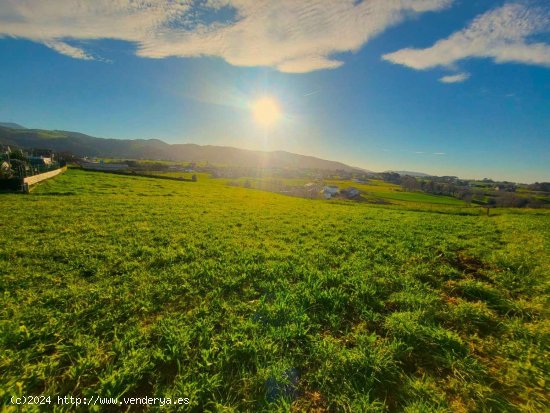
[(266, 111)]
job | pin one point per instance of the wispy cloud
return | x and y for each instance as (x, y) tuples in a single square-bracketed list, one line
[(315, 92), (458, 78), (68, 50), (502, 34), (439, 153), (289, 35)]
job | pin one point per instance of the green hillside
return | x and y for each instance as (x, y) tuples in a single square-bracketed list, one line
[(89, 146), (247, 301)]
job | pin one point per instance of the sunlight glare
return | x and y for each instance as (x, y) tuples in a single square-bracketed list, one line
[(266, 111)]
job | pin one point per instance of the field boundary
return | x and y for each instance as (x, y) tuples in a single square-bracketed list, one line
[(31, 180)]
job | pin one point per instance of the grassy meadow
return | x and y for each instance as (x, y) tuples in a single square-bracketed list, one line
[(248, 301)]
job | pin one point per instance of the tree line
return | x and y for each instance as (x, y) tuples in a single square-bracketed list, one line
[(486, 192)]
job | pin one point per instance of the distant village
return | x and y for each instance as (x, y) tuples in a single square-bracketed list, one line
[(17, 165), (485, 192), (312, 190)]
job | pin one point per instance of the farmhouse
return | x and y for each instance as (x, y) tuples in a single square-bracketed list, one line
[(100, 166), (350, 192), (40, 160), (329, 191)]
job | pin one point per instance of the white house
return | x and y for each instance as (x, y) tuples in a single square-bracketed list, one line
[(329, 191), (100, 166)]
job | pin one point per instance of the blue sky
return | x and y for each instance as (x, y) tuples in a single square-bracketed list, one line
[(440, 86)]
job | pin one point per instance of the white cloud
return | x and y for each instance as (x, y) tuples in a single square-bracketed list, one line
[(458, 78), (501, 34), (439, 153), (290, 35), (68, 50)]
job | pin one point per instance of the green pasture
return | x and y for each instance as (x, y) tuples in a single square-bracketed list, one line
[(374, 189), (247, 301)]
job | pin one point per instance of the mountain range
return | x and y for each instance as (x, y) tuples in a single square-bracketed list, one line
[(83, 145)]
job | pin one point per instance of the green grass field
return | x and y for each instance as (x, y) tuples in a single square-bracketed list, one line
[(248, 301)]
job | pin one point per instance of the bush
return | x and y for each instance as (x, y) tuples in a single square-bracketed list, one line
[(12, 184)]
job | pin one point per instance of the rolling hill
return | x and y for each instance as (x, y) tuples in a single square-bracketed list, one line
[(84, 145), (11, 125), (411, 173)]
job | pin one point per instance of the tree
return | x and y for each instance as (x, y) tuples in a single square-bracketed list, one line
[(392, 177), (18, 154), (409, 183), (465, 195), (429, 187)]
